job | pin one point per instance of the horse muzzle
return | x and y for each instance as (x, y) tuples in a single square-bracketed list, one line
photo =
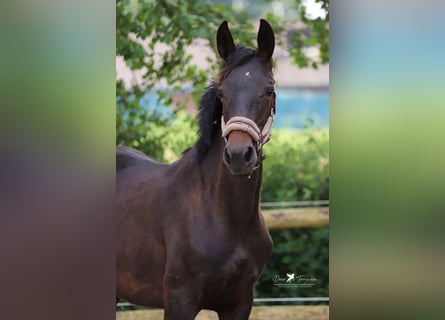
[(240, 154)]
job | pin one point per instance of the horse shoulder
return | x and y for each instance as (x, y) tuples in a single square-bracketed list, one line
[(260, 240)]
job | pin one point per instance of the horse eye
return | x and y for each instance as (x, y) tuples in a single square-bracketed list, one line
[(269, 91)]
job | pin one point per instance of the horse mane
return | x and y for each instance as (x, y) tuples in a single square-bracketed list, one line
[(209, 120), (210, 106)]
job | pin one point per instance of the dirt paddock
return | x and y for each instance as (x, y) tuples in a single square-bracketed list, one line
[(258, 313)]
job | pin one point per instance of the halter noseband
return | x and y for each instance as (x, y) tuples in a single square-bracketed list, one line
[(250, 127)]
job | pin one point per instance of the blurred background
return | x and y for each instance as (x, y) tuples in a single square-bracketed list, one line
[(166, 55)]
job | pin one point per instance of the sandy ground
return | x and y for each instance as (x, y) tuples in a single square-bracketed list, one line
[(258, 313)]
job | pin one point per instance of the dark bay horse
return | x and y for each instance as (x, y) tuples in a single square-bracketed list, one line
[(190, 235)]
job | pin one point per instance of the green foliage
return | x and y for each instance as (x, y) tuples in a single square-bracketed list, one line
[(135, 124), (140, 27), (317, 35), (174, 24), (163, 138), (296, 166), (300, 251)]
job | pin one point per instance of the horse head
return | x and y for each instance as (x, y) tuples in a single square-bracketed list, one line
[(245, 87)]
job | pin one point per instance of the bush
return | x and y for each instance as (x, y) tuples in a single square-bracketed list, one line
[(161, 137), (302, 251), (296, 166)]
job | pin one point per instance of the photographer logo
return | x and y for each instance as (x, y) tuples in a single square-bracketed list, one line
[(294, 280)]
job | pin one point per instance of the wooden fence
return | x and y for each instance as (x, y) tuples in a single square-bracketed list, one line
[(296, 217)]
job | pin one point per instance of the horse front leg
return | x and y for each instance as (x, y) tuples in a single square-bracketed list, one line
[(241, 311), (180, 301), (179, 305)]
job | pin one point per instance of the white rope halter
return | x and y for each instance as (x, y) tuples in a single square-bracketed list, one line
[(250, 127), (247, 125)]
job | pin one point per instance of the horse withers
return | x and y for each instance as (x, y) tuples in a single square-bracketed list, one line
[(190, 235)]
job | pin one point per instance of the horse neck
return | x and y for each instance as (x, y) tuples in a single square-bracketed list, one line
[(236, 197)]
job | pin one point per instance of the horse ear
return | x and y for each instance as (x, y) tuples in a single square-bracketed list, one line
[(224, 41), (266, 40)]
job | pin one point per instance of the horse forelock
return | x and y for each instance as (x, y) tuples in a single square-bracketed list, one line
[(237, 58)]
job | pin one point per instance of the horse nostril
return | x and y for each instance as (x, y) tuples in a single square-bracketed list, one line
[(227, 156), (248, 154)]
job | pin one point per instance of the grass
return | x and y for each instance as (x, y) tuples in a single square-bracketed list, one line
[(258, 313)]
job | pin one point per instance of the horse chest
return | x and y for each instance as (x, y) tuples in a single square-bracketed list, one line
[(239, 262), (236, 271), (224, 257)]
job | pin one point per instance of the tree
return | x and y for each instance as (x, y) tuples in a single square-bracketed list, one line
[(317, 35), (175, 24)]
